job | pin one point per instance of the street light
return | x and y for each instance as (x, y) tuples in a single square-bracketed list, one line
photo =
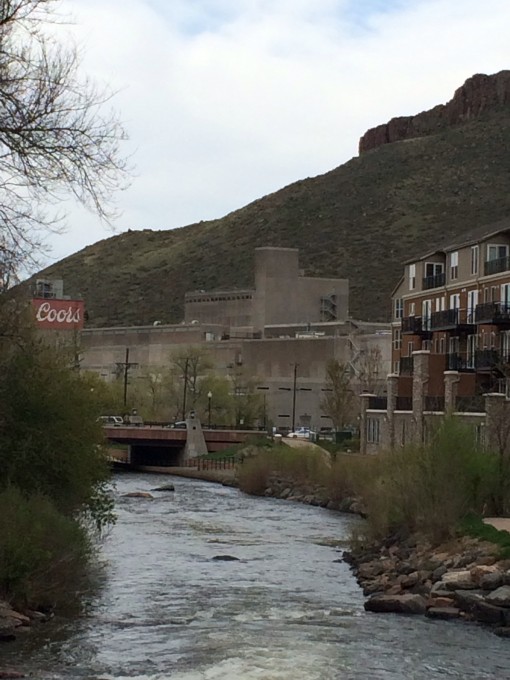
[(209, 399)]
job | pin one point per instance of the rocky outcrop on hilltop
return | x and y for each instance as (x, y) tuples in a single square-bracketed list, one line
[(479, 94)]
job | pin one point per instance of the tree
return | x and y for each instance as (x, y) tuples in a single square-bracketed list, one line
[(369, 370), (50, 440), (184, 378), (340, 402), (56, 137)]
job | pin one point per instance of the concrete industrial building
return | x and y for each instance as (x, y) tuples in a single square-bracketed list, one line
[(287, 326)]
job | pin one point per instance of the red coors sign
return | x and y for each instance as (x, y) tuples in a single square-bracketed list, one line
[(58, 314)]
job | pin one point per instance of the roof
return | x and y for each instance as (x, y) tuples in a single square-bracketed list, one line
[(471, 237)]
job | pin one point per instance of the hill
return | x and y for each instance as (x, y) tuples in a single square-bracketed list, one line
[(441, 175)]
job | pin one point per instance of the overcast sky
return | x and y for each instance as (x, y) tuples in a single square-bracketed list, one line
[(226, 101)]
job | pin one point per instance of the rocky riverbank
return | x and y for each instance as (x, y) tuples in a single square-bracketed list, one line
[(14, 623), (461, 579), (290, 489)]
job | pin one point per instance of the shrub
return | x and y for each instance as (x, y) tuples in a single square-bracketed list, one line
[(50, 442), (427, 488), (43, 554)]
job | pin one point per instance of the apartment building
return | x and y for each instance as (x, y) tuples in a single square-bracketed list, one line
[(450, 342), (454, 303)]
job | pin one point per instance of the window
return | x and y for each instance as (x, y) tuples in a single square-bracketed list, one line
[(471, 307), (433, 269), (505, 346), (399, 308), (494, 294), (475, 253), (505, 297), (454, 265), (412, 308), (373, 431), (496, 251), (455, 301), (396, 367), (397, 338), (412, 276), (440, 304), (486, 292), (442, 344), (410, 349), (471, 351), (426, 310)]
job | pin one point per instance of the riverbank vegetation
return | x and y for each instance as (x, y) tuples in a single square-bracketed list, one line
[(53, 471), (429, 489)]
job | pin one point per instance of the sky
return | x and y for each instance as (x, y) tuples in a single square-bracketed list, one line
[(226, 101)]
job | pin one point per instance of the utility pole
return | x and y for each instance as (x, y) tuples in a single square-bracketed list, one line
[(185, 388), (294, 398), (126, 366)]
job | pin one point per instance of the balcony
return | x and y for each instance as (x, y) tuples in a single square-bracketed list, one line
[(494, 313), (378, 403), (452, 319), (460, 362), (435, 281), (434, 404), (404, 404), (416, 325), (406, 365), (473, 404), (490, 359), (501, 264)]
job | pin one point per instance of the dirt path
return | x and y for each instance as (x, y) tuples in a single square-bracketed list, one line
[(501, 523)]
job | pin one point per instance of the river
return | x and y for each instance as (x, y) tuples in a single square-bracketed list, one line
[(286, 609)]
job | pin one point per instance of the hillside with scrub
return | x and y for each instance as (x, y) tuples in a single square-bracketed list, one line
[(418, 182)]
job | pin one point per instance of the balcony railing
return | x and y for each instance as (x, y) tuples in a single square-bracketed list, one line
[(457, 361), (404, 404), (378, 403), (490, 358), (501, 264), (434, 403), (416, 325), (406, 365), (451, 319), (435, 281), (411, 325), (493, 313), (474, 404)]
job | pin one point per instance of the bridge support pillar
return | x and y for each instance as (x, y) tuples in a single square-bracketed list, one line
[(195, 440)]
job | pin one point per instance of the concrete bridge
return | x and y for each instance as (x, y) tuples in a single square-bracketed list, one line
[(155, 445)]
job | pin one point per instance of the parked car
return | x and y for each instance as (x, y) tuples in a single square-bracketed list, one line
[(178, 425), (301, 433), (116, 421)]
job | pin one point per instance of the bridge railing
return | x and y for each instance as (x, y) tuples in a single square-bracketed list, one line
[(227, 463)]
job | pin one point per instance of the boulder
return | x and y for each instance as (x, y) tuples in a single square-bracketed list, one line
[(401, 604), (488, 613), (440, 602), (491, 581), (458, 579), (500, 597), (165, 487), (370, 570), (285, 493), (467, 600), (443, 613), (138, 494)]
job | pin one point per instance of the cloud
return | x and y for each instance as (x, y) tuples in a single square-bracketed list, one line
[(228, 100)]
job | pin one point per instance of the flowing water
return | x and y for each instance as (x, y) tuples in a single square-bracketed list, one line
[(286, 609)]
